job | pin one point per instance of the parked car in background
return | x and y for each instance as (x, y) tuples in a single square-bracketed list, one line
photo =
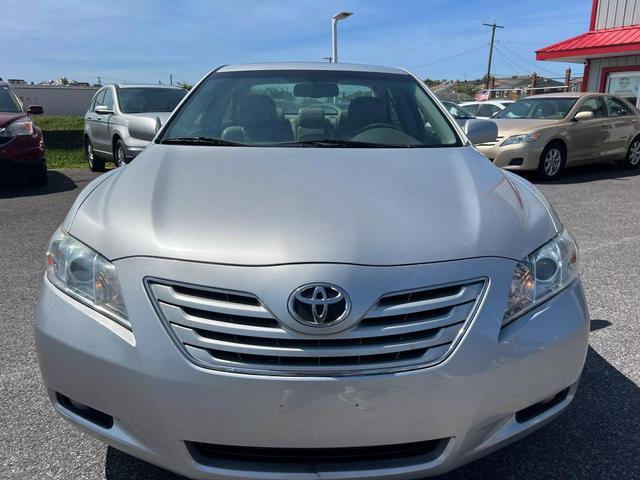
[(107, 137), (545, 133), (487, 108), (22, 156), (285, 297)]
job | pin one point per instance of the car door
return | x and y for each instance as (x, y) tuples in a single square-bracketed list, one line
[(622, 124), (92, 118), (102, 137), (588, 138)]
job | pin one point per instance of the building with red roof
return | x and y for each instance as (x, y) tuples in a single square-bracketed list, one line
[(610, 50)]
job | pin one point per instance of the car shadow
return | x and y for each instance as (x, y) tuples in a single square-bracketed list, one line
[(58, 182), (588, 173), (597, 437)]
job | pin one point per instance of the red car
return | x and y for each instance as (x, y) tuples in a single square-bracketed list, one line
[(21, 143)]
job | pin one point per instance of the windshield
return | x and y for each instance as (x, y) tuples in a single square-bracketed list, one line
[(457, 111), (149, 99), (8, 102), (538, 108), (319, 108)]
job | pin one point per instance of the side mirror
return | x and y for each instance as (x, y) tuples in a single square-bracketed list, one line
[(103, 110), (481, 131), (144, 128), (35, 110), (582, 116)]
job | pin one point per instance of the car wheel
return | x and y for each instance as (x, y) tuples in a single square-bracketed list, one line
[(119, 154), (552, 161), (632, 160), (39, 179), (95, 164)]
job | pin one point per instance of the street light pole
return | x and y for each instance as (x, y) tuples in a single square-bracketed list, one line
[(334, 32)]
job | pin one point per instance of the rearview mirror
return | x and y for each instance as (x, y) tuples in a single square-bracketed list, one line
[(103, 110), (316, 90), (582, 116), (481, 131), (35, 110), (144, 128)]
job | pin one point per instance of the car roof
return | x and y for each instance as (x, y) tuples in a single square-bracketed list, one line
[(325, 66), (143, 85), (567, 95)]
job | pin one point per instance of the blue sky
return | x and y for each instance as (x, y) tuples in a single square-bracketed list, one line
[(145, 40)]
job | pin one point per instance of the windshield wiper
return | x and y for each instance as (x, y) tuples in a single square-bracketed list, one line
[(334, 142), (210, 141)]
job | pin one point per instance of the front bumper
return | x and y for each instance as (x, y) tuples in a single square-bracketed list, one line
[(521, 156), (159, 400), (22, 156)]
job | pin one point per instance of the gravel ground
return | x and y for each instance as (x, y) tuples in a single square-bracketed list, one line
[(598, 437)]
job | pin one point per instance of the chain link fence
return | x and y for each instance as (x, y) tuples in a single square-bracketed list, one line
[(62, 122)]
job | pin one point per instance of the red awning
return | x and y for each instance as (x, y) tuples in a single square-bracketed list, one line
[(598, 43)]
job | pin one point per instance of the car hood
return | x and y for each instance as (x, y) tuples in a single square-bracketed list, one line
[(510, 126), (7, 118), (266, 206)]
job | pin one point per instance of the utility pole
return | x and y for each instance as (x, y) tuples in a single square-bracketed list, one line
[(171, 79), (493, 35), (99, 80)]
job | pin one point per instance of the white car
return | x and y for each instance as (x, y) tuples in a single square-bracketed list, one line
[(487, 108)]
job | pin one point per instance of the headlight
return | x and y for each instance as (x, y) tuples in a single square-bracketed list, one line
[(526, 138), (542, 274), (86, 276), (17, 129)]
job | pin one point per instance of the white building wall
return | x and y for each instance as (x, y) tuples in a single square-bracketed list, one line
[(598, 64), (617, 13)]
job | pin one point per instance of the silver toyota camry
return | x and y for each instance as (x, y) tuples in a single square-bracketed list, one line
[(311, 273)]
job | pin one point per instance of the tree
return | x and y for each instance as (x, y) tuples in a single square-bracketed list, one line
[(185, 85)]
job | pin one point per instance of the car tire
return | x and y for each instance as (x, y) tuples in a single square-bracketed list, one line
[(40, 179), (552, 161), (632, 160), (119, 154), (95, 164)]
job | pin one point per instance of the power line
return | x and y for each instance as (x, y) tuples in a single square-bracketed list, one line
[(449, 57), (515, 68), (529, 61)]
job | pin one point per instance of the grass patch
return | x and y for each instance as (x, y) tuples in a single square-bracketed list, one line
[(59, 122), (65, 158)]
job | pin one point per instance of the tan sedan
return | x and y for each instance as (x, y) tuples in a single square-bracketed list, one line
[(545, 133)]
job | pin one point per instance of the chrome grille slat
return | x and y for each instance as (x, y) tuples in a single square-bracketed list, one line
[(235, 331), (318, 368), (169, 295), (297, 348), (465, 294)]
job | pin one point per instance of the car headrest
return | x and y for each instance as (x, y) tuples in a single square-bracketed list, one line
[(364, 111), (311, 118), (257, 110)]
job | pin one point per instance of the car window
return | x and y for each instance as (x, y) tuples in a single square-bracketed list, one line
[(282, 107), (473, 108), (548, 108), (107, 101), (616, 108), (149, 99), (488, 109), (593, 104), (99, 99), (457, 111), (8, 101)]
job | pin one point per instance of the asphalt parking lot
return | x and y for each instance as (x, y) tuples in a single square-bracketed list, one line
[(597, 438)]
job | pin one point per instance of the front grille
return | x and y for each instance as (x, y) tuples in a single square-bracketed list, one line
[(315, 458), (235, 331)]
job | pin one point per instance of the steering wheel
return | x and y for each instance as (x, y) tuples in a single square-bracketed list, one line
[(325, 106), (372, 126)]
